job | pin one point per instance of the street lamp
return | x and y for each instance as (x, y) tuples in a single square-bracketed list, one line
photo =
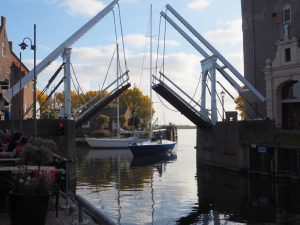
[(20, 91), (222, 99), (23, 46)]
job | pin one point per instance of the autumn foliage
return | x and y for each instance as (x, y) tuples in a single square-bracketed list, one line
[(134, 99)]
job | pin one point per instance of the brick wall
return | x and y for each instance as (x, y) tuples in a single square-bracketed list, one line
[(10, 70)]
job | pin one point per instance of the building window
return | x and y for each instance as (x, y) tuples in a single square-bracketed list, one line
[(287, 54), (287, 16), (3, 49)]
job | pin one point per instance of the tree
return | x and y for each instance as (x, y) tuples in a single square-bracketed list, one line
[(138, 103), (45, 106), (77, 100), (240, 106), (103, 119)]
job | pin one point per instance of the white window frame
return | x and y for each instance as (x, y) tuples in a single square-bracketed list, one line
[(4, 50), (285, 8)]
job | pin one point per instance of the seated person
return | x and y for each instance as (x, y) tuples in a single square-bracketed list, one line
[(14, 143), (20, 147)]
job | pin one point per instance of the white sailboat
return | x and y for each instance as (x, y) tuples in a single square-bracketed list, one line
[(118, 142), (111, 143), (150, 147)]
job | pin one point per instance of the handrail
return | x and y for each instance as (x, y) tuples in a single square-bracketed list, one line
[(123, 80), (85, 205), (165, 77)]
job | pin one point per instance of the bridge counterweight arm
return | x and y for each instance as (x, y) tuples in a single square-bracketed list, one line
[(216, 53), (58, 51), (203, 53)]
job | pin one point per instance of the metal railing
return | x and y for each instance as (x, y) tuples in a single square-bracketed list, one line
[(93, 211), (190, 102)]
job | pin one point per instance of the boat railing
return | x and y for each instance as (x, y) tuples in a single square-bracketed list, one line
[(85, 206)]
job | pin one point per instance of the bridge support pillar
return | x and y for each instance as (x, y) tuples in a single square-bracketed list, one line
[(67, 74), (209, 67)]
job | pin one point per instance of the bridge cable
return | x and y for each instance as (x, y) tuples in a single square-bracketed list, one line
[(49, 96), (210, 95), (157, 49), (236, 102), (197, 90), (122, 36), (173, 110), (45, 89), (108, 69), (79, 87), (252, 107), (232, 98), (164, 49)]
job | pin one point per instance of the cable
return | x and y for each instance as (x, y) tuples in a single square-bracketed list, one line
[(241, 106), (123, 45), (108, 69), (164, 51), (76, 78), (165, 105), (197, 88), (46, 88), (157, 50), (210, 95), (115, 26)]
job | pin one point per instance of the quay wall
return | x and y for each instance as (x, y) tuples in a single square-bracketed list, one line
[(253, 147)]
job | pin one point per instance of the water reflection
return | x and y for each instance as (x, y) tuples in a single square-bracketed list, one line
[(152, 160), (115, 178), (173, 190), (105, 168), (229, 198)]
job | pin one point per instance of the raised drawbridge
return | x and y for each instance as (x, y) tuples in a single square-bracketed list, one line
[(64, 50), (213, 61)]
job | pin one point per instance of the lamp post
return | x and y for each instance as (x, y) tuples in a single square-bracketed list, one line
[(20, 91), (23, 46), (222, 99)]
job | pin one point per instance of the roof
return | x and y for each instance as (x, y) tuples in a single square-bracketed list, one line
[(112, 111), (16, 60)]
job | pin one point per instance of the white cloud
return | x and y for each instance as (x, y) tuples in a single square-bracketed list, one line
[(237, 60), (78, 7), (199, 4), (91, 65), (232, 33)]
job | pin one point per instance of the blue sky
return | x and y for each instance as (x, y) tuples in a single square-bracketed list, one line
[(217, 20)]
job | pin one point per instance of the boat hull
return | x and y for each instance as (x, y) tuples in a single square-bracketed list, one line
[(144, 149), (110, 143)]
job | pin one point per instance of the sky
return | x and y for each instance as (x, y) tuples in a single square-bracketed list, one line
[(219, 21)]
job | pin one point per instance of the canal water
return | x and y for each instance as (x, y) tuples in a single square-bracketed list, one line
[(172, 190)]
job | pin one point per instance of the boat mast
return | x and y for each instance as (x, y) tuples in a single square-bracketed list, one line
[(118, 102), (150, 133)]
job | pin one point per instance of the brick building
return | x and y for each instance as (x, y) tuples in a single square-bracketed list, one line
[(10, 72), (271, 34)]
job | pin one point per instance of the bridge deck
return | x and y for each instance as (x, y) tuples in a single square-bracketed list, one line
[(99, 105), (181, 105)]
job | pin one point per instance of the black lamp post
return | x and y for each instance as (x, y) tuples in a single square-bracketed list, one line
[(23, 46), (20, 93)]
